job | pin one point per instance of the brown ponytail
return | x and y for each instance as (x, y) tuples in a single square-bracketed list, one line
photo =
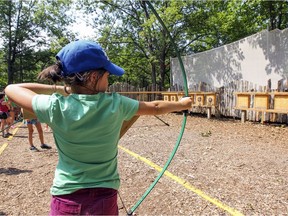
[(51, 73)]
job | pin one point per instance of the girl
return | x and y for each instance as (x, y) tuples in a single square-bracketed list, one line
[(86, 126), (4, 115)]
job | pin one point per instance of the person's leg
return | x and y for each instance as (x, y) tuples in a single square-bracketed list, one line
[(41, 135), (5, 128), (7, 124), (2, 127), (40, 132), (30, 135), (12, 117)]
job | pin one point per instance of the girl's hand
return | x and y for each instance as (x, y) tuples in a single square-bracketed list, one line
[(186, 102)]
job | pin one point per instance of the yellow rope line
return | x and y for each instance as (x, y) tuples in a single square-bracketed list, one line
[(184, 183)]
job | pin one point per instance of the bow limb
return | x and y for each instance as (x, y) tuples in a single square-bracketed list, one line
[(172, 154)]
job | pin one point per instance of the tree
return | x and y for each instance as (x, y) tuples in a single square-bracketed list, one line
[(33, 32), (131, 35), (27, 29), (276, 12)]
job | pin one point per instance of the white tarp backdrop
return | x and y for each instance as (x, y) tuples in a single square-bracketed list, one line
[(256, 58)]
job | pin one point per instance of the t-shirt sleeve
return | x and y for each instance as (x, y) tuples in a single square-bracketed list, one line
[(41, 105), (129, 107)]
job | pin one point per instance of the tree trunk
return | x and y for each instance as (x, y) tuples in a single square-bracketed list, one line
[(9, 55), (153, 75)]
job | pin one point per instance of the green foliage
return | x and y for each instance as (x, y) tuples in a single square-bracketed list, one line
[(27, 29), (32, 32), (135, 40)]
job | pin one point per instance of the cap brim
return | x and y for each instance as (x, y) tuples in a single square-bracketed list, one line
[(114, 69)]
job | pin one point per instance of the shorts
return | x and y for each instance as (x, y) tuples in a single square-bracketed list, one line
[(89, 201), (31, 121), (3, 115)]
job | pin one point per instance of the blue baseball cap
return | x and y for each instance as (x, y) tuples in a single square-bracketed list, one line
[(81, 56)]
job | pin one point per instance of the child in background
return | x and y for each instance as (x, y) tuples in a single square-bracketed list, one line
[(12, 109), (30, 123), (86, 126), (4, 115)]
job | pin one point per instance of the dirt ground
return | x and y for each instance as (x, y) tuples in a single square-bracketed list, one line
[(222, 167)]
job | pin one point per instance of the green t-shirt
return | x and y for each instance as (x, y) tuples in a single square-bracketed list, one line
[(86, 131)]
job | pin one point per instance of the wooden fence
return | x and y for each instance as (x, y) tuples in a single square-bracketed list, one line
[(225, 98)]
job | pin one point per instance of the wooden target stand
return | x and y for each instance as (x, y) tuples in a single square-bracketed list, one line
[(262, 103)]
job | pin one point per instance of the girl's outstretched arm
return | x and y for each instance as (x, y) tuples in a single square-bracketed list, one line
[(162, 107), (23, 93)]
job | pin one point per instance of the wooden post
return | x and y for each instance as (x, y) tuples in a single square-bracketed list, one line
[(263, 117), (243, 116), (208, 112)]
